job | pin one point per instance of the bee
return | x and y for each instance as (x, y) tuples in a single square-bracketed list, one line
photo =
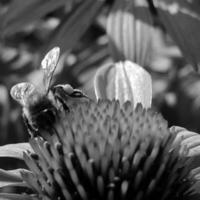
[(40, 106)]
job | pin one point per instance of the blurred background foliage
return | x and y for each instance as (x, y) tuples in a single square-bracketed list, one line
[(162, 36)]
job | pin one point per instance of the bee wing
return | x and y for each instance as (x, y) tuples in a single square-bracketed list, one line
[(21, 91), (49, 64)]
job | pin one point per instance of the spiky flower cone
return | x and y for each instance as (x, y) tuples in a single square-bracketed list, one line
[(107, 151)]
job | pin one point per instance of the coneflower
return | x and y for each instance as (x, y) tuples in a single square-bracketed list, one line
[(108, 151)]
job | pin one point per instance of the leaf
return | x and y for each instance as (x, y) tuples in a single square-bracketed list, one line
[(181, 19), (15, 150), (124, 81), (8, 196), (22, 13), (91, 60), (129, 29), (74, 26)]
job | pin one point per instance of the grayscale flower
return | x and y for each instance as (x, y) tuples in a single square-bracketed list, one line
[(106, 150)]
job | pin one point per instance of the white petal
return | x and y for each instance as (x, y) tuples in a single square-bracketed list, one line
[(124, 81)]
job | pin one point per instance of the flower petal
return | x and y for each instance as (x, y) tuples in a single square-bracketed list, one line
[(129, 30), (8, 196), (15, 150), (124, 81), (12, 178), (190, 140)]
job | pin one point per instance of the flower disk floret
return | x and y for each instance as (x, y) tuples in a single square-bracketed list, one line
[(104, 150)]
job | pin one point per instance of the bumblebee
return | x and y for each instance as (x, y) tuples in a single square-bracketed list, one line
[(40, 106)]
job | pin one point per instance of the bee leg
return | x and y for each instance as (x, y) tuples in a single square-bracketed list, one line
[(31, 130)]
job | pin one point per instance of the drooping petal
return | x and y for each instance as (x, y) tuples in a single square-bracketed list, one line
[(129, 30), (189, 140), (8, 196), (15, 150), (190, 146), (124, 81)]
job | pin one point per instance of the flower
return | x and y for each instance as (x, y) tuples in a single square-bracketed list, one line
[(106, 150), (116, 148)]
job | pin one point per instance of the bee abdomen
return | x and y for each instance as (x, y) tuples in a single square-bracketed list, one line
[(41, 115)]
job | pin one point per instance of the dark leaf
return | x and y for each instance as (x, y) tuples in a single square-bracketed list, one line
[(22, 13), (181, 19), (74, 26)]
